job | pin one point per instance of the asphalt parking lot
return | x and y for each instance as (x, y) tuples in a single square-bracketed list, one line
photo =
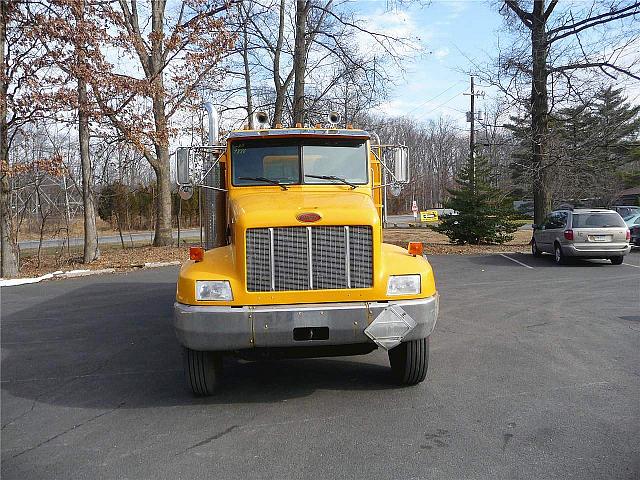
[(534, 374)]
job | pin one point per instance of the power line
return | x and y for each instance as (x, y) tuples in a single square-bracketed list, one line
[(433, 98), (442, 104)]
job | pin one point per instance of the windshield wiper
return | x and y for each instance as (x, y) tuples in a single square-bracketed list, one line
[(333, 177), (268, 180)]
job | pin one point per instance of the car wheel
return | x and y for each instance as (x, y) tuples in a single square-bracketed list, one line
[(617, 260), (202, 370), (534, 249), (410, 361), (559, 256)]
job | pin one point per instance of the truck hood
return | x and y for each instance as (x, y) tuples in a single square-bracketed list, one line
[(279, 209)]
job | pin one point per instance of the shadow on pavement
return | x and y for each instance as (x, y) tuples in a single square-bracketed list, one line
[(110, 345)]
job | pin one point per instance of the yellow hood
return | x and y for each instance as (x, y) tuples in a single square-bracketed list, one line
[(279, 209)]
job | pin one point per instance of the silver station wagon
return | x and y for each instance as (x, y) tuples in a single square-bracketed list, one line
[(585, 233)]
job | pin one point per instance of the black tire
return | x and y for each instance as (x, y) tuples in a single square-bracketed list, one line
[(534, 249), (202, 370), (617, 260), (410, 361), (559, 257)]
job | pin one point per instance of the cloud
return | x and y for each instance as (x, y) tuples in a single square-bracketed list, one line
[(455, 8), (441, 53)]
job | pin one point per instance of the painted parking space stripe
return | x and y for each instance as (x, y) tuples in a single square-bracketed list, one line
[(517, 261), (631, 265)]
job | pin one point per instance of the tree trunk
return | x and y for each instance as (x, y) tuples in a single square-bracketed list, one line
[(91, 249), (247, 77), (162, 167), (299, 61), (280, 88), (539, 112), (8, 244), (163, 230)]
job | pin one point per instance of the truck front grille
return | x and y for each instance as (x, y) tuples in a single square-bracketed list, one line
[(309, 258)]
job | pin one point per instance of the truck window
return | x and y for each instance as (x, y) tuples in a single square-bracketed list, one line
[(275, 161), (347, 160)]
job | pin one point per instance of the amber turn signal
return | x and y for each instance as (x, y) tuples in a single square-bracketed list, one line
[(415, 248), (196, 254)]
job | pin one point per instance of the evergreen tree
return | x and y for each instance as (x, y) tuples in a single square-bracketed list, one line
[(485, 213), (591, 147)]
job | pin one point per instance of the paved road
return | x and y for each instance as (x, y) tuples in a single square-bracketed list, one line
[(108, 239), (535, 374), (405, 220)]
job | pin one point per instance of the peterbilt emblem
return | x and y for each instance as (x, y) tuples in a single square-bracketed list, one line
[(308, 217)]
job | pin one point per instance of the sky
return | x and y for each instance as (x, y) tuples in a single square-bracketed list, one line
[(450, 32)]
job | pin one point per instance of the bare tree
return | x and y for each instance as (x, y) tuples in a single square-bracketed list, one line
[(176, 51), (552, 49), (300, 59), (72, 35), (19, 104)]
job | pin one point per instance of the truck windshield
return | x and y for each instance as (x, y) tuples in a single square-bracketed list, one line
[(295, 161)]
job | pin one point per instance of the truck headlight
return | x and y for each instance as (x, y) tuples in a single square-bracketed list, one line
[(403, 285), (213, 290)]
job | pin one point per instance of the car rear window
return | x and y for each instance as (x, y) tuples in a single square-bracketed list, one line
[(597, 220)]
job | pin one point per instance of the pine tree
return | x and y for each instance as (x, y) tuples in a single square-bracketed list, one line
[(485, 213)]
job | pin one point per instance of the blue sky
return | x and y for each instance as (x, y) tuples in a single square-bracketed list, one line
[(450, 32)]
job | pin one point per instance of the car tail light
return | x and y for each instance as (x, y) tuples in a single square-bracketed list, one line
[(196, 254), (568, 234), (628, 234)]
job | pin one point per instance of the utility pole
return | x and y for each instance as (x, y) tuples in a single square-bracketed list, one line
[(471, 118), (472, 139)]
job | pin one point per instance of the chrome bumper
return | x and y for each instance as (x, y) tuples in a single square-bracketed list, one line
[(596, 251), (235, 328)]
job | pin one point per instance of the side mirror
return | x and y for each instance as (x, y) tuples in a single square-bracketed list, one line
[(183, 166), (401, 164)]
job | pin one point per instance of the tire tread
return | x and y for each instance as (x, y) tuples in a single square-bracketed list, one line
[(410, 361)]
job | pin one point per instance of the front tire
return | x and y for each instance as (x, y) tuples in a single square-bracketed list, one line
[(617, 260), (410, 361), (202, 370)]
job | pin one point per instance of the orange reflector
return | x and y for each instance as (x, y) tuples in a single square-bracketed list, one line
[(298, 125), (278, 125), (415, 248), (196, 254)]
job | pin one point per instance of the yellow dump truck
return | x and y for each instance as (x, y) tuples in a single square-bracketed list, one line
[(293, 263)]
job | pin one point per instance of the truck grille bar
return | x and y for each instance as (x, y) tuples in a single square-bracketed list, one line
[(309, 258)]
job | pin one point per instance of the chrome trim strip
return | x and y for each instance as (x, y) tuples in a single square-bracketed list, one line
[(310, 257), (298, 131), (347, 255), (304, 306), (272, 261)]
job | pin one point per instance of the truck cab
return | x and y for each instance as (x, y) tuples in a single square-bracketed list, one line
[(299, 268)]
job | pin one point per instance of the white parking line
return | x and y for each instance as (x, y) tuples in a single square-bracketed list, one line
[(630, 265), (517, 261)]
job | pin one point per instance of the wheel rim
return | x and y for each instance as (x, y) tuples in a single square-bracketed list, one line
[(558, 255), (534, 248)]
